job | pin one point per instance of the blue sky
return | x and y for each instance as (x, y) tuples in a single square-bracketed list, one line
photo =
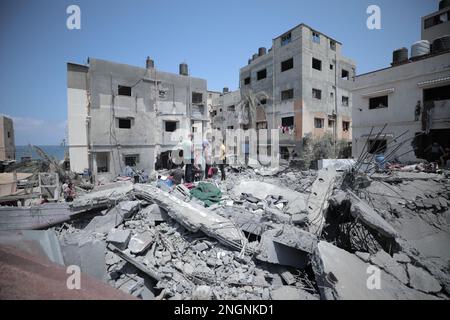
[(215, 38)]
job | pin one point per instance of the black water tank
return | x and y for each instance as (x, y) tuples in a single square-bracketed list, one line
[(444, 4), (149, 63), (399, 56), (261, 51), (225, 90), (255, 55), (441, 44), (184, 69)]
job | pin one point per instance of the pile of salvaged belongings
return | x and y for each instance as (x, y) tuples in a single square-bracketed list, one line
[(288, 235)]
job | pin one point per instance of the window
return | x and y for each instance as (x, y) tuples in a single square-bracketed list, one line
[(437, 94), (287, 122), (378, 102), (345, 126), (332, 95), (288, 64), (331, 122), (131, 160), (345, 101), (197, 97), (9, 134), (377, 146), (124, 91), (231, 108), (318, 123), (262, 74), (124, 123), (316, 64), (287, 94), (263, 101), (285, 39), (247, 80), (102, 159), (332, 45), (315, 37), (331, 67), (170, 126), (230, 127), (438, 19), (317, 94), (345, 74), (162, 94)]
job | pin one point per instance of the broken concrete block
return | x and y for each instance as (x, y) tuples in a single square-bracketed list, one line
[(291, 293), (401, 257), (300, 219), (201, 246), (288, 278), (153, 213), (369, 217), (202, 293), (386, 262), (141, 241), (364, 256), (92, 258), (119, 238), (421, 280), (343, 276)]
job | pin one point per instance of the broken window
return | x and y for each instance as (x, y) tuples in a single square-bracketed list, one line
[(315, 37), (437, 94), (377, 146), (262, 74), (288, 64), (232, 108), (247, 80), (124, 123), (378, 102), (131, 160), (345, 74), (345, 101), (263, 101), (317, 94), (331, 67), (333, 45), (318, 123), (287, 94), (285, 39), (197, 97), (317, 64), (124, 91), (170, 126), (345, 125), (287, 122)]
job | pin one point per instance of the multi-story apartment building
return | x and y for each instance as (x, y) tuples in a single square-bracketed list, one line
[(7, 145), (303, 87), (411, 97), (121, 115)]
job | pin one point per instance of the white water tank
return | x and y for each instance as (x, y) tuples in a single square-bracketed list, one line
[(420, 48)]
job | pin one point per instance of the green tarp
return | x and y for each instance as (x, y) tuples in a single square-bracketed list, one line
[(207, 192)]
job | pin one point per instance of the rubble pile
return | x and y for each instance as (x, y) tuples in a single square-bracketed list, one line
[(284, 234)]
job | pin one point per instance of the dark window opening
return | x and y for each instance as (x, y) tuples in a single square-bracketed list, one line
[(102, 159), (288, 64), (9, 134), (162, 94), (124, 91), (331, 67), (197, 97), (345, 101), (317, 94), (263, 101), (170, 126), (287, 122), (315, 37), (247, 80), (437, 94), (287, 94), (332, 45), (318, 123), (378, 102), (284, 153), (232, 108), (331, 122), (377, 146), (317, 64), (345, 125), (262, 74), (345, 74), (285, 39), (437, 19), (230, 127), (131, 160), (124, 123)]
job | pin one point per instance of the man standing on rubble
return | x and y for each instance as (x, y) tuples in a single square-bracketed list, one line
[(188, 156), (222, 159)]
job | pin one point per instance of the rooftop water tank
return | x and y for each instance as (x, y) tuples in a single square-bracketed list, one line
[(184, 69), (399, 56), (441, 44), (149, 63), (444, 4), (225, 90), (420, 48), (255, 55), (261, 51)]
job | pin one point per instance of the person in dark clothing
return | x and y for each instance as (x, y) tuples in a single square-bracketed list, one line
[(435, 151), (188, 155), (177, 176)]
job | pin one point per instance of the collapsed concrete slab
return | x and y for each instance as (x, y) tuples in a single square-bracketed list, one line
[(247, 221), (141, 241), (317, 203), (338, 164), (421, 280), (341, 275), (369, 217), (119, 238), (194, 217)]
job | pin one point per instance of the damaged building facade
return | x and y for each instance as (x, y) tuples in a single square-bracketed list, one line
[(121, 115), (302, 85), (411, 97), (7, 145)]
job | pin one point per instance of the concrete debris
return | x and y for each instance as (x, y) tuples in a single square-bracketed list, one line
[(277, 234), (338, 164)]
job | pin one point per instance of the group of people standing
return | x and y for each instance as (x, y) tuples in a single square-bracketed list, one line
[(201, 164)]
